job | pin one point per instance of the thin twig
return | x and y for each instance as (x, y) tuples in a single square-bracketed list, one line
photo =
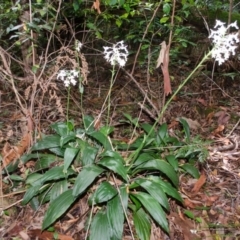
[(144, 35), (142, 91)]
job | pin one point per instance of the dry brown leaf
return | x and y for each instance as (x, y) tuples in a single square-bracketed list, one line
[(201, 181), (161, 54), (96, 6), (193, 124), (189, 204), (38, 234), (202, 101), (185, 225), (218, 130), (163, 61), (11, 154)]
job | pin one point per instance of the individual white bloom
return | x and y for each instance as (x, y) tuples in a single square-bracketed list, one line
[(117, 54), (224, 44), (62, 74), (78, 45), (66, 83)]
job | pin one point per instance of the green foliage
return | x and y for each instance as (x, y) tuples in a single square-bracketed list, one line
[(138, 185)]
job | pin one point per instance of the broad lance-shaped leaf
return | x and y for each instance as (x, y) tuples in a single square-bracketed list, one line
[(100, 137), (154, 190), (54, 173), (100, 227), (30, 193), (69, 155), (115, 165), (189, 168), (47, 142), (167, 188), (88, 153), (103, 193), (162, 166), (142, 224), (85, 178), (115, 216), (57, 208), (154, 209)]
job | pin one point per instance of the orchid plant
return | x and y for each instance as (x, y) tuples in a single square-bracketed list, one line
[(116, 55)]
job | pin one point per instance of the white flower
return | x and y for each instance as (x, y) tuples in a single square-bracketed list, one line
[(78, 45), (224, 44), (68, 77), (117, 54)]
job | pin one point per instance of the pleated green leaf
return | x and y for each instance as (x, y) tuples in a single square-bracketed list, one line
[(69, 154), (115, 216), (104, 192), (100, 227), (167, 188), (115, 165), (189, 168), (85, 178), (47, 142), (142, 224), (154, 209), (155, 190), (57, 208), (162, 166)]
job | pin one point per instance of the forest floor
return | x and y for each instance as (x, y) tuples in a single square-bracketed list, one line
[(211, 106)]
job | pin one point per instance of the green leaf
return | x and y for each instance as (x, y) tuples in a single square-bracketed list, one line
[(154, 189), (162, 166), (154, 209), (143, 157), (62, 128), (67, 138), (15, 177), (58, 188), (189, 168), (85, 178), (45, 160), (88, 122), (164, 19), (55, 173), (147, 128), (100, 227), (87, 153), (167, 188), (142, 224), (124, 196), (115, 216), (69, 155), (173, 161), (47, 142), (162, 132), (189, 214), (115, 165), (30, 193), (32, 178), (103, 193), (101, 138), (166, 8), (134, 121), (185, 128), (57, 208)]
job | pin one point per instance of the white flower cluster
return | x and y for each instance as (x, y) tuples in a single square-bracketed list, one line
[(78, 45), (68, 77), (224, 44), (117, 54)]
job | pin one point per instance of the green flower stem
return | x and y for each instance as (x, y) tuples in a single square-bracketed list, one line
[(68, 97), (134, 155), (109, 94)]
